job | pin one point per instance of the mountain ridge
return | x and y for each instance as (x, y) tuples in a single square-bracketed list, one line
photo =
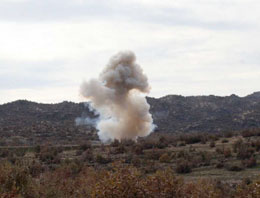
[(171, 113), (254, 94)]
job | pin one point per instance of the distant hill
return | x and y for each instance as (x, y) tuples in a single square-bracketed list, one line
[(172, 113), (206, 113), (26, 113), (28, 123)]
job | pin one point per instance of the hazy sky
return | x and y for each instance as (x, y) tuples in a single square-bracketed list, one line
[(187, 47)]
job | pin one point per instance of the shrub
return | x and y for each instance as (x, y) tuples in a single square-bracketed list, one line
[(4, 153), (237, 144), (165, 158), (251, 190), (227, 153), (72, 179), (250, 133), (228, 134), (256, 145), (154, 154), (123, 182), (20, 152), (128, 182), (182, 144), (115, 143), (49, 156), (148, 144), (128, 159), (162, 184), (204, 189), (219, 150), (234, 168), (205, 158), (85, 146), (213, 137), (12, 159), (246, 181), (149, 167), (126, 142), (220, 164), (191, 138), (161, 145), (14, 178), (102, 160), (35, 169), (37, 149), (183, 154), (249, 163), (224, 141), (203, 141), (136, 162), (191, 148), (138, 149), (245, 152), (119, 149), (87, 156), (183, 166), (74, 167), (79, 152), (212, 144)]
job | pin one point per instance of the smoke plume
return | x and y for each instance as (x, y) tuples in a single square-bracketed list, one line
[(86, 121), (117, 96)]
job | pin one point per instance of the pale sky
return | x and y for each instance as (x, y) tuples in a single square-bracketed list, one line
[(185, 47)]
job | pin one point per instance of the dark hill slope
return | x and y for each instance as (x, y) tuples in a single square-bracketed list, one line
[(171, 113), (206, 113)]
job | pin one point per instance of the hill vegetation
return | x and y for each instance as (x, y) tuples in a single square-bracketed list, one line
[(27, 123), (204, 147)]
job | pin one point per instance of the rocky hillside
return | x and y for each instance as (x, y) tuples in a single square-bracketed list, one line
[(29, 123), (171, 113), (206, 113)]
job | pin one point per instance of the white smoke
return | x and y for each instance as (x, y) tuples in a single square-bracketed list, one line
[(86, 121), (116, 96)]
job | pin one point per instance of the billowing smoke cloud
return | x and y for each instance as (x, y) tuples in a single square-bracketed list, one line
[(117, 96)]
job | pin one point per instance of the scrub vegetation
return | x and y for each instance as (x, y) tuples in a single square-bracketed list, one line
[(160, 165)]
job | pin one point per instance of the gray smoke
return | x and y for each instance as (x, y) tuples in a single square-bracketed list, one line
[(86, 118), (86, 121), (117, 96)]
